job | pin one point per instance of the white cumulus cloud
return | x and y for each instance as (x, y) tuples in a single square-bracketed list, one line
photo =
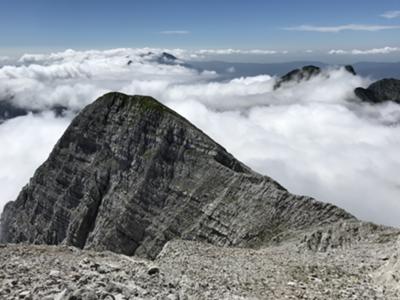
[(26, 143), (339, 28), (172, 32), (391, 14), (384, 50), (230, 51)]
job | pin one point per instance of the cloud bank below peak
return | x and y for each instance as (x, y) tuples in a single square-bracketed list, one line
[(314, 137)]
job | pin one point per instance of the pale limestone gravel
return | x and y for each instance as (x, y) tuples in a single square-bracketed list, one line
[(193, 270)]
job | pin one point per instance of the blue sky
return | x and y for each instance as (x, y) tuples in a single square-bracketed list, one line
[(49, 25)]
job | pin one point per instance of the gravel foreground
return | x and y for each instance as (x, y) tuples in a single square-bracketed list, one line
[(194, 270)]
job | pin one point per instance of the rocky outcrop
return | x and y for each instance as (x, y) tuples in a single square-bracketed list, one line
[(304, 74), (298, 75), (388, 274), (380, 91), (129, 174), (167, 58), (350, 69), (344, 235), (161, 58)]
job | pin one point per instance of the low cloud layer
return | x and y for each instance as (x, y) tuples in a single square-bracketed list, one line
[(313, 137), (25, 143)]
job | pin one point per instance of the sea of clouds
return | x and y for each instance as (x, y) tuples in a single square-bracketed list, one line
[(314, 137)]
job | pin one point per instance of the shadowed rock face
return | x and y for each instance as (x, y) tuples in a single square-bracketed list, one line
[(129, 174), (350, 69), (8, 110), (380, 91), (167, 57)]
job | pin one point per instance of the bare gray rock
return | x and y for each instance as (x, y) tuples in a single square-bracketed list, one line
[(129, 174), (380, 91), (343, 235), (304, 74), (297, 75)]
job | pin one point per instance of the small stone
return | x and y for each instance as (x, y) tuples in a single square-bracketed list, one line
[(24, 294), (85, 261), (61, 295), (316, 279), (94, 266), (54, 273), (153, 270), (173, 297), (291, 283)]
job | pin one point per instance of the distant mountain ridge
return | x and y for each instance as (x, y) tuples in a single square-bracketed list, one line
[(9, 110), (375, 71)]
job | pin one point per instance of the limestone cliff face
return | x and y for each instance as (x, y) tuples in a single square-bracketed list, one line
[(129, 174)]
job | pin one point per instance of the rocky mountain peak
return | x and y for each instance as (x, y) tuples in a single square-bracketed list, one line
[(350, 69), (168, 56), (130, 174), (305, 73), (297, 75)]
